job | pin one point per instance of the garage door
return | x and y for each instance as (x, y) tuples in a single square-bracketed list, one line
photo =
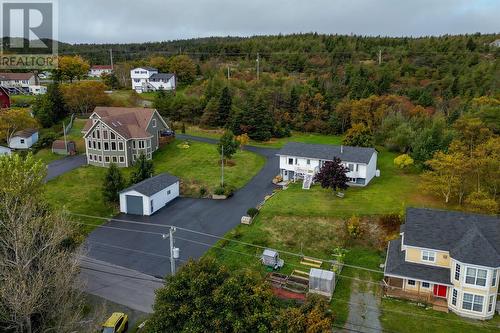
[(134, 205)]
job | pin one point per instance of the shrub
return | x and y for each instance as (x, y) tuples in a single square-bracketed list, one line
[(203, 191), (229, 190), (390, 222), (219, 190), (481, 202), (252, 212), (45, 140), (403, 161), (354, 227)]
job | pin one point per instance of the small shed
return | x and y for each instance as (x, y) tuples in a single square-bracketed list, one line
[(24, 139), (64, 148), (4, 98), (5, 151), (321, 282), (148, 196), (272, 259)]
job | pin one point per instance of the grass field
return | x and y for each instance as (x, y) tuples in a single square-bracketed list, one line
[(273, 143), (23, 100)]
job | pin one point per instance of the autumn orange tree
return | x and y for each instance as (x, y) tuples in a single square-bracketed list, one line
[(82, 97)]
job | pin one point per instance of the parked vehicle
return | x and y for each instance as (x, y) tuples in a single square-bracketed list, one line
[(117, 323)]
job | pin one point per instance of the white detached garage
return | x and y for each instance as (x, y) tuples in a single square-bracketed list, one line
[(150, 195)]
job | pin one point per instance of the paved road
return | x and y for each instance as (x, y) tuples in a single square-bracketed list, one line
[(64, 165), (136, 290), (148, 252)]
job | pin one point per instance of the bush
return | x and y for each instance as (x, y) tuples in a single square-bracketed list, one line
[(45, 140), (403, 161), (219, 190), (354, 227), (390, 222), (229, 190), (203, 191), (252, 212)]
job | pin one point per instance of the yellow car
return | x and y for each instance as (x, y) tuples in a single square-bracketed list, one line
[(117, 323)]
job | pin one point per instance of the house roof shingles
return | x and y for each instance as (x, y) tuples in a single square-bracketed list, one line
[(16, 76), (25, 133), (103, 67), (470, 238), (161, 76), (327, 152), (128, 122), (153, 185), (397, 266)]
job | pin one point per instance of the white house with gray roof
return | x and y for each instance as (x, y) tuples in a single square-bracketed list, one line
[(146, 79), (448, 259), (150, 195), (303, 161)]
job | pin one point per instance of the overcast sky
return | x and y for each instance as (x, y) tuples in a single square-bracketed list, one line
[(101, 21)]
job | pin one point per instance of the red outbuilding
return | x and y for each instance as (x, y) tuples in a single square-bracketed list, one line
[(4, 98)]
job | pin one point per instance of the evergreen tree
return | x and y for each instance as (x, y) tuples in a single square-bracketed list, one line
[(333, 175), (294, 100), (143, 170), (113, 184), (50, 107), (260, 120), (224, 111)]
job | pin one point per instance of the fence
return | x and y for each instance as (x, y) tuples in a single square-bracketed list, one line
[(70, 124)]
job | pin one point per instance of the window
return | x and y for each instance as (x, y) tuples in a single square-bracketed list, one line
[(133, 144), (114, 159), (153, 122), (457, 272), (151, 206), (494, 278), (357, 167), (429, 256), (100, 158), (104, 134), (90, 157), (106, 145), (141, 144), (93, 134), (475, 276), (120, 145), (106, 159), (98, 134), (122, 159), (290, 161), (426, 285), (168, 192), (490, 304), (308, 162), (95, 158), (351, 167), (89, 143), (99, 145), (137, 80), (411, 282), (112, 135), (93, 144), (454, 297), (22, 140), (473, 302), (113, 145)]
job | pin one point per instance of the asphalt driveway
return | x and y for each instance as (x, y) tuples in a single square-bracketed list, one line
[(147, 251), (57, 168)]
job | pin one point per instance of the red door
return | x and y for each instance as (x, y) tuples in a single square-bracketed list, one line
[(440, 290)]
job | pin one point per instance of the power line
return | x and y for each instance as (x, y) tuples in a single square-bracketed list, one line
[(336, 300), (220, 238)]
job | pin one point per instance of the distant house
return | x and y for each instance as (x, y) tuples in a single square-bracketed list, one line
[(146, 79), (99, 70), (448, 259), (24, 139), (5, 151), (119, 135), (495, 43), (37, 90), (4, 98), (61, 147), (150, 195), (18, 82), (303, 161)]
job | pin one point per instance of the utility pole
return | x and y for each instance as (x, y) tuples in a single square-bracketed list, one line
[(65, 142), (172, 250), (222, 162), (258, 65), (111, 58), (379, 57)]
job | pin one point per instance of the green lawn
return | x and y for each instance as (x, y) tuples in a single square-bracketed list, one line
[(198, 166), (402, 316), (74, 134), (273, 143), (22, 99)]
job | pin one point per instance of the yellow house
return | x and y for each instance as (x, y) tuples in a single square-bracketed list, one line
[(448, 259)]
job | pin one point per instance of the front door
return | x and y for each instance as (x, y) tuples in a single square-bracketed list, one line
[(440, 291)]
